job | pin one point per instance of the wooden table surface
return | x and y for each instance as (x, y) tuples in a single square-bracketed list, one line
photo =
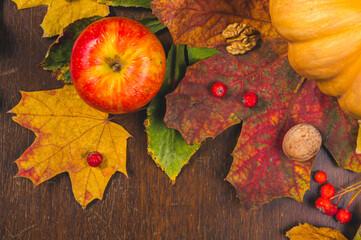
[(201, 205)]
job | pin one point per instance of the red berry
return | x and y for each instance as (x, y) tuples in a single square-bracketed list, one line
[(323, 204), (327, 191), (332, 211), (94, 159), (343, 216), (250, 99), (321, 177), (219, 89)]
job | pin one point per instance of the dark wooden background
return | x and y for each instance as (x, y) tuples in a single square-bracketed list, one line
[(201, 205)]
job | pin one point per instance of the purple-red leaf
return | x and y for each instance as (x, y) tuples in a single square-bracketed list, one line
[(260, 171), (197, 114)]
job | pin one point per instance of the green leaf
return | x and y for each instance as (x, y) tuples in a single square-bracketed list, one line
[(166, 146), (58, 56), (66, 76), (196, 54), (153, 24), (127, 3), (175, 69)]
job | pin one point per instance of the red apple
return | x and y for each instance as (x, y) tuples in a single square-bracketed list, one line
[(117, 65)]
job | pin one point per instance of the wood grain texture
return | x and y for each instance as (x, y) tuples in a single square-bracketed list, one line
[(201, 205)]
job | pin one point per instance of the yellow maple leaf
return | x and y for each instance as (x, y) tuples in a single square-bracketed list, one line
[(66, 131), (63, 12), (309, 232)]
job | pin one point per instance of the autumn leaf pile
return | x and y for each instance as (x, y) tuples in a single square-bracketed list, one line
[(178, 122)]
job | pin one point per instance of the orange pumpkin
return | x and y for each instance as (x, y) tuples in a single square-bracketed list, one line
[(324, 39)]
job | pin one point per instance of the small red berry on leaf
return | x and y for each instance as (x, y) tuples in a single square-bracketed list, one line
[(94, 159), (219, 89), (250, 99), (321, 177), (343, 216), (332, 211), (327, 191), (323, 204)]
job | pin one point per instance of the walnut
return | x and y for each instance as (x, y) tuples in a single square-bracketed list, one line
[(302, 142), (241, 38)]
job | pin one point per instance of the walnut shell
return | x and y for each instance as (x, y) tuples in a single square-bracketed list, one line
[(302, 142)]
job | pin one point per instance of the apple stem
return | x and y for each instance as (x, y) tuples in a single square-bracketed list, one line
[(116, 67)]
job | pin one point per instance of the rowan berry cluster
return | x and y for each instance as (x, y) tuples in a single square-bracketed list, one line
[(328, 202), (249, 99)]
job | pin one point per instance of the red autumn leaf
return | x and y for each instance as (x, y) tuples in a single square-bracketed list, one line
[(260, 171), (200, 23), (197, 114)]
